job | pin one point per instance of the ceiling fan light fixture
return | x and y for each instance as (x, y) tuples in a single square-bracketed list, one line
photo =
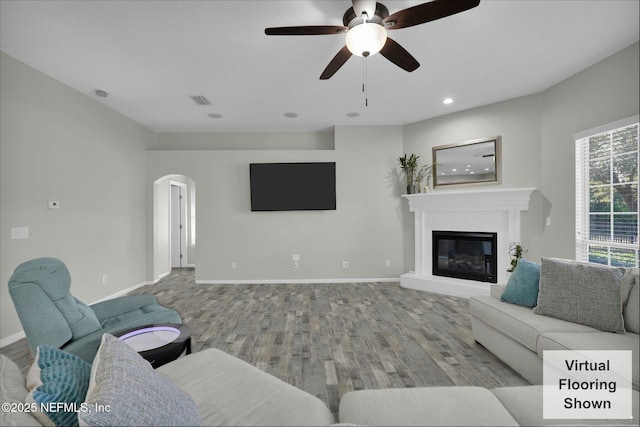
[(366, 39)]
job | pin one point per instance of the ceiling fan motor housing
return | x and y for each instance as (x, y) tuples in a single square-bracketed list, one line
[(351, 18)]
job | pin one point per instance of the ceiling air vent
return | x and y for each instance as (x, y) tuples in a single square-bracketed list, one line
[(200, 100)]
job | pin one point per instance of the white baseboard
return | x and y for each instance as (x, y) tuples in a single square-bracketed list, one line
[(162, 276), (12, 338), (123, 292), (294, 281)]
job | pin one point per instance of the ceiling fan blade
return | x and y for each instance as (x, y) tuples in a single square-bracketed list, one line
[(305, 30), (338, 61), (426, 12), (399, 55)]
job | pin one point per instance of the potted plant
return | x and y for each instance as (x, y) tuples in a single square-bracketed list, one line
[(516, 250), (409, 166), (425, 172)]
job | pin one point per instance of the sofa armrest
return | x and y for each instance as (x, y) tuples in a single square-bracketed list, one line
[(121, 305), (497, 290)]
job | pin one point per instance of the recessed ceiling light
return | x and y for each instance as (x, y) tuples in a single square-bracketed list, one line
[(215, 115), (353, 114), (291, 115), (447, 101), (101, 93)]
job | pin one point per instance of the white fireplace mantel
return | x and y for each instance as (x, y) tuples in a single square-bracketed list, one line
[(493, 211)]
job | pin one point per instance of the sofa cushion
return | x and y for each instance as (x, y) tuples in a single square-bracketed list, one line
[(135, 394), (229, 391), (627, 282), (425, 406), (517, 322), (589, 294), (57, 377), (525, 404), (13, 392), (522, 286), (631, 312), (596, 340)]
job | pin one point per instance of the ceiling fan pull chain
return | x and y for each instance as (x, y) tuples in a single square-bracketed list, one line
[(365, 83)]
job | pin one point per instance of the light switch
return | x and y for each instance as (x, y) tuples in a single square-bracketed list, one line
[(20, 232)]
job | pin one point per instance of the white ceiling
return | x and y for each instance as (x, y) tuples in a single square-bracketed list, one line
[(151, 56)]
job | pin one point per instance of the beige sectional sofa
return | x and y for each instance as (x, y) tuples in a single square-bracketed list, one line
[(228, 391), (519, 336)]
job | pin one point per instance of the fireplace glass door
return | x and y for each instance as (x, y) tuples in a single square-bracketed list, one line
[(465, 255)]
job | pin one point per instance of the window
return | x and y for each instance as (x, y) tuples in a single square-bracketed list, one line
[(607, 194)]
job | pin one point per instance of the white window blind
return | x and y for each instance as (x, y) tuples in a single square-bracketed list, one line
[(607, 194)]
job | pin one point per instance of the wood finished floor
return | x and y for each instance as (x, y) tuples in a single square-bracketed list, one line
[(329, 339)]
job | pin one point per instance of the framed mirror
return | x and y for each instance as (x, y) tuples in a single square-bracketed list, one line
[(471, 162)]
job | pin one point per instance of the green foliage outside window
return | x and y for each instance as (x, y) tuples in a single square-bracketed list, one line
[(613, 196)]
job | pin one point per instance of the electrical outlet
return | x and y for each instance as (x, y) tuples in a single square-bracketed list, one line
[(105, 279), (233, 264), (345, 264), (295, 257), (548, 221), (387, 263)]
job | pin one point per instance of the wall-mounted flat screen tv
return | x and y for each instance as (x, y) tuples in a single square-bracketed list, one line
[(293, 186)]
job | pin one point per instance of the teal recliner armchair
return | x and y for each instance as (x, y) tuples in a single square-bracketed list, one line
[(40, 290)]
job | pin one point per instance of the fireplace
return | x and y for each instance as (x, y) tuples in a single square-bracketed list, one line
[(465, 255), (483, 210)]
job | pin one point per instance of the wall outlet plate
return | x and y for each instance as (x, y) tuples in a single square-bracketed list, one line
[(20, 232), (345, 264)]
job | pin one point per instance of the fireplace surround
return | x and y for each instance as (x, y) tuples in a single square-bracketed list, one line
[(487, 211)]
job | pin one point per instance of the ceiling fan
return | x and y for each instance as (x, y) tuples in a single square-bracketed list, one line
[(366, 24)]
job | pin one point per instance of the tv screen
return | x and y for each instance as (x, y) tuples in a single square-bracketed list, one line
[(293, 186)]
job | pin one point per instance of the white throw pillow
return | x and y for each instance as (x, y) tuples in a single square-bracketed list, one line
[(125, 390)]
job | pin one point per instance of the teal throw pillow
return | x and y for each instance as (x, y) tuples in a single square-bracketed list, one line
[(58, 381), (522, 287)]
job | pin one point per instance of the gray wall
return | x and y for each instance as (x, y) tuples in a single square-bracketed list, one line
[(537, 144), (601, 94), (365, 229), (58, 144)]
